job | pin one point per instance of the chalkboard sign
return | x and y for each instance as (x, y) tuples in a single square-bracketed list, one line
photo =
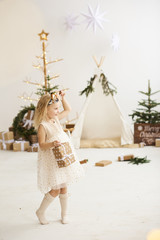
[(146, 132)]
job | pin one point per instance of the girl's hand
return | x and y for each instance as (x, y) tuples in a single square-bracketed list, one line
[(62, 93), (56, 143)]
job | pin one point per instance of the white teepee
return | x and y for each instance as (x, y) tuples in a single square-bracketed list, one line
[(101, 123)]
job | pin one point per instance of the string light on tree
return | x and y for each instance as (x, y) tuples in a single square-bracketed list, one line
[(46, 86)]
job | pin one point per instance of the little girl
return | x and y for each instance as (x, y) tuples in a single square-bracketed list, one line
[(52, 180)]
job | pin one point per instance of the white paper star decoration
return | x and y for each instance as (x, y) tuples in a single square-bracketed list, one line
[(115, 42), (71, 21), (94, 18)]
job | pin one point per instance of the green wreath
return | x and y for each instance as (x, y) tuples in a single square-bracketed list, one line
[(18, 124)]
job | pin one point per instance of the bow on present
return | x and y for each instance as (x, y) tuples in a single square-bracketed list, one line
[(29, 122)]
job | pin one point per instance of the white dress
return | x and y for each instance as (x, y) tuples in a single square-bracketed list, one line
[(50, 176)]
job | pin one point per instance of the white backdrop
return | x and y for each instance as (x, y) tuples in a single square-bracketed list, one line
[(135, 21)]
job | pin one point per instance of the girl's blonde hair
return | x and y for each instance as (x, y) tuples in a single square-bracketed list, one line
[(41, 110)]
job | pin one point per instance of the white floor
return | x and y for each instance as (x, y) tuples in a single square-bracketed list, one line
[(118, 202)]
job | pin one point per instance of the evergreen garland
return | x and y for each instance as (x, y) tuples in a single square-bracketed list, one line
[(18, 120), (108, 88), (138, 160), (18, 123), (89, 89)]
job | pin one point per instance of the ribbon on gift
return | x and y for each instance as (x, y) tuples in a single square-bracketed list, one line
[(22, 144), (29, 122), (65, 155), (122, 157), (3, 140)]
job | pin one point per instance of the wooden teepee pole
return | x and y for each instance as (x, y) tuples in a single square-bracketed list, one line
[(101, 61)]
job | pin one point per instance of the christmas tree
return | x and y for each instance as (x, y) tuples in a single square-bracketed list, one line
[(146, 113), (23, 122)]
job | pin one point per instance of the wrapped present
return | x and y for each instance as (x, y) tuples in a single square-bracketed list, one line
[(125, 157), (6, 139), (70, 125), (33, 148), (157, 142), (64, 155), (70, 130), (20, 146), (142, 144), (28, 120), (83, 161), (103, 163), (33, 138), (11, 129)]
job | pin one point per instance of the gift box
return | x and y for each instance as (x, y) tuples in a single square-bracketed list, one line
[(125, 157), (11, 129), (28, 120), (6, 139), (103, 163), (20, 146), (83, 161), (64, 155), (68, 129), (6, 136), (142, 144), (33, 139), (33, 148), (157, 142), (70, 125)]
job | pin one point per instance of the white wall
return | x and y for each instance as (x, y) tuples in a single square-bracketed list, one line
[(135, 21)]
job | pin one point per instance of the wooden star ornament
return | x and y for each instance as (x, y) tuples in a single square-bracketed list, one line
[(43, 35)]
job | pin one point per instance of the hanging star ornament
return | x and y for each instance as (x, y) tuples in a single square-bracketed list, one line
[(94, 18), (43, 35), (115, 42), (71, 22)]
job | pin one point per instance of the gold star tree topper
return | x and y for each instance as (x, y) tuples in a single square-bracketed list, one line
[(43, 35)]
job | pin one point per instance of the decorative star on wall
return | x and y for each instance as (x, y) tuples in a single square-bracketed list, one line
[(94, 18), (71, 21), (115, 42)]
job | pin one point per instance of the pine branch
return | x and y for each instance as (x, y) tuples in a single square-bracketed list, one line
[(89, 89), (138, 160)]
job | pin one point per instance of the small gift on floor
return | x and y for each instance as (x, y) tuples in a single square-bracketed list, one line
[(103, 163), (64, 155), (83, 161), (6, 139), (157, 142), (20, 146), (1, 147), (125, 157), (33, 148), (142, 144)]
